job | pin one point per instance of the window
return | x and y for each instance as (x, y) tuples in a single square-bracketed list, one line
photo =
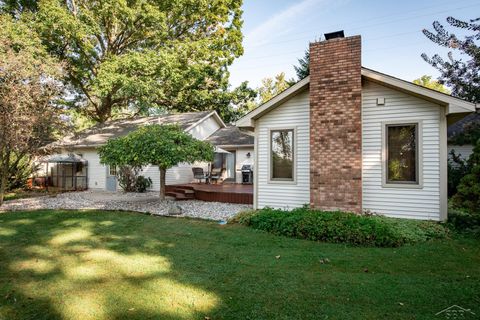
[(112, 171), (402, 165), (282, 155)]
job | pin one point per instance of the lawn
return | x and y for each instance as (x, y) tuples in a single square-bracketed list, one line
[(21, 194), (117, 265)]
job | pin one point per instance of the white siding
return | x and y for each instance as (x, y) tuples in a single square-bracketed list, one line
[(241, 159), (293, 113), (423, 203), (96, 171), (177, 175), (465, 151), (205, 129)]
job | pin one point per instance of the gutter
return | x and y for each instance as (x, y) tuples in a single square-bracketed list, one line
[(235, 146)]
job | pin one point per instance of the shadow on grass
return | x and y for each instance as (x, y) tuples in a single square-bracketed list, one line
[(117, 265), (93, 266)]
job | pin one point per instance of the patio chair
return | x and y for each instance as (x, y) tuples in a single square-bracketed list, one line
[(216, 174), (199, 174)]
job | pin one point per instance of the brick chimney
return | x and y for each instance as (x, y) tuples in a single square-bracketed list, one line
[(335, 124)]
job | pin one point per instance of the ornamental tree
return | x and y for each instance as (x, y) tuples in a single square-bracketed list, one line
[(460, 71), (29, 114), (161, 145), (125, 56)]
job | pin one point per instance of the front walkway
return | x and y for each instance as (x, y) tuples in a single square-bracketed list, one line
[(148, 202)]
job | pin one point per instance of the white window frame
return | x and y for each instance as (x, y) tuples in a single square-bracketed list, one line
[(419, 155), (270, 166)]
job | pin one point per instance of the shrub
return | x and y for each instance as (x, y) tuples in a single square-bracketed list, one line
[(20, 169), (130, 181), (142, 184), (464, 221), (457, 169), (341, 227), (127, 177), (468, 191)]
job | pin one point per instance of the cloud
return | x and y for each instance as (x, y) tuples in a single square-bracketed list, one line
[(277, 24)]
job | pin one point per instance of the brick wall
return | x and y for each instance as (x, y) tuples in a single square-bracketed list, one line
[(335, 124)]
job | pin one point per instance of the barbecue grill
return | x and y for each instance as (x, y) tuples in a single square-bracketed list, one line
[(247, 174)]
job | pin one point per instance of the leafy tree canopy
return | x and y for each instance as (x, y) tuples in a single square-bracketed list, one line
[(426, 81), (161, 145), (241, 100), (272, 86), (16, 7), (462, 76), (134, 55)]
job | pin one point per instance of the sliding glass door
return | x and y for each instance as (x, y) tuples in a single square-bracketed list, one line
[(230, 166)]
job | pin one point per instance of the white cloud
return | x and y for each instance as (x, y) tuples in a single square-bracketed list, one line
[(277, 24)]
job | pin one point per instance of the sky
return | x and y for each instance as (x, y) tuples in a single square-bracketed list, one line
[(277, 32)]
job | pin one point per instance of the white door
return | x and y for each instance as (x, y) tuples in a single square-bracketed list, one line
[(111, 178)]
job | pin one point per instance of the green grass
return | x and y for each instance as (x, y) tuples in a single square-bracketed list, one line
[(21, 194), (117, 265)]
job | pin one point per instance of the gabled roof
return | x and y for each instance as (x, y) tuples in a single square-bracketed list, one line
[(100, 133), (453, 105), (231, 136)]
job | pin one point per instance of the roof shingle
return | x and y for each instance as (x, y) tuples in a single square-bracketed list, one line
[(101, 133), (231, 136)]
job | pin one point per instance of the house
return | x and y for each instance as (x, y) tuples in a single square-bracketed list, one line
[(353, 139), (205, 125), (464, 150)]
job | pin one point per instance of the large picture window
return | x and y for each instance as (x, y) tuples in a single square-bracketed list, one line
[(402, 154), (282, 155)]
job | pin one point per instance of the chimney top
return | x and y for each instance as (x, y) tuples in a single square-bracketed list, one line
[(333, 35)]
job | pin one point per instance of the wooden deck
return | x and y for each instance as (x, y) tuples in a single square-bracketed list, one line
[(226, 192)]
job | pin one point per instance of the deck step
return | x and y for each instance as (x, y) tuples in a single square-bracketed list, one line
[(184, 191), (180, 195)]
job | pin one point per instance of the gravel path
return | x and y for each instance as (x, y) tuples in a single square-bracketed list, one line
[(141, 202)]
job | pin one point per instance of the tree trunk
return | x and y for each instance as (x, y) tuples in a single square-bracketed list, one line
[(162, 183), (4, 169), (3, 186)]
